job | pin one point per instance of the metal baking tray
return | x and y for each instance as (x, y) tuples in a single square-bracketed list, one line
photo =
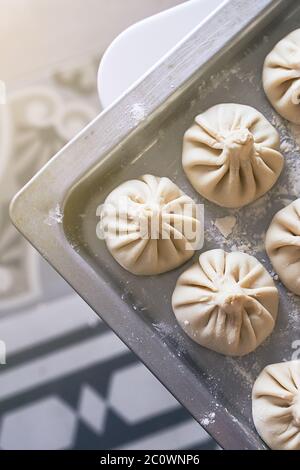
[(220, 61)]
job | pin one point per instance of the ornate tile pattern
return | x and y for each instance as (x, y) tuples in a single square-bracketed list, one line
[(69, 382)]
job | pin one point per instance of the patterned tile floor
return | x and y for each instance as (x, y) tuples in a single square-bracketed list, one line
[(68, 382)]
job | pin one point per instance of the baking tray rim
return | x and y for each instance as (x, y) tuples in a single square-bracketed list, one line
[(50, 186)]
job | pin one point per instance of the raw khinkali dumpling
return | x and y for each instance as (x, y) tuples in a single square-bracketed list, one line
[(283, 245), (150, 226), (226, 302), (230, 155), (281, 77), (276, 405)]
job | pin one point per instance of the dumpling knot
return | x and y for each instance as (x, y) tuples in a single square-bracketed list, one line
[(240, 146), (239, 137), (150, 221), (151, 210), (232, 304), (231, 298)]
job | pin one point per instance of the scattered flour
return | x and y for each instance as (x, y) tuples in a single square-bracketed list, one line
[(208, 419), (169, 332), (138, 112), (240, 370), (286, 146), (55, 216)]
